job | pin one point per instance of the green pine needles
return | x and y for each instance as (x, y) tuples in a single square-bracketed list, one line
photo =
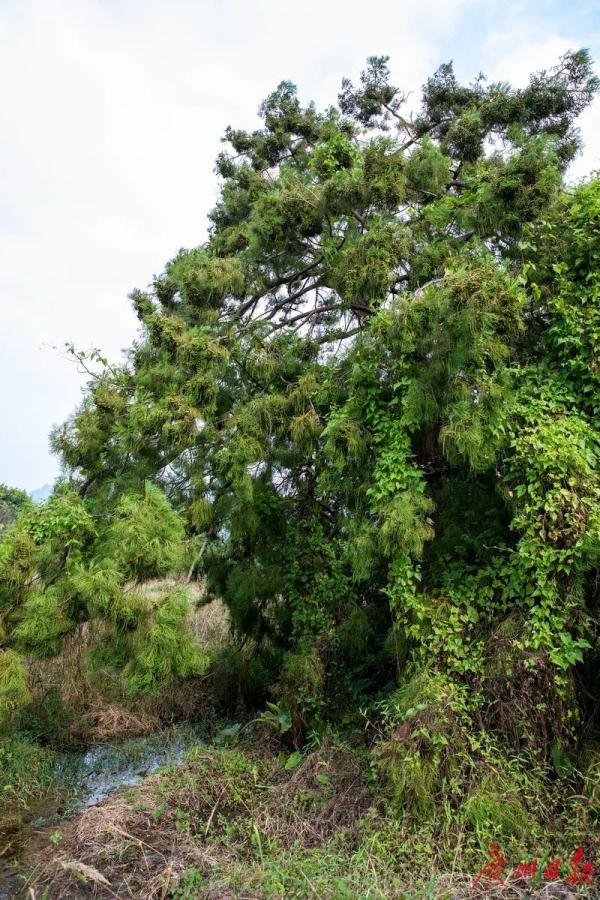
[(67, 569)]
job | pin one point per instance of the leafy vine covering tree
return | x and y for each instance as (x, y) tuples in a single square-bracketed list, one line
[(366, 411)]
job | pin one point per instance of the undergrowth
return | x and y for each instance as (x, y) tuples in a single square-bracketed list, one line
[(249, 820), (26, 770)]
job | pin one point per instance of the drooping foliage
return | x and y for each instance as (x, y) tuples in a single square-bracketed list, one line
[(64, 568), (371, 399)]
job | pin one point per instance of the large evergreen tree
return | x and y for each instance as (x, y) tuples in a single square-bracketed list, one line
[(371, 399)]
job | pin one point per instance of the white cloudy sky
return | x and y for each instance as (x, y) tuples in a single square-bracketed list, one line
[(110, 117)]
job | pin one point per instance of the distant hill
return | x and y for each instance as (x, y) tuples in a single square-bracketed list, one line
[(42, 493)]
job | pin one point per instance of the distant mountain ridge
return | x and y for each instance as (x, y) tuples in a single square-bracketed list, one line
[(42, 493)]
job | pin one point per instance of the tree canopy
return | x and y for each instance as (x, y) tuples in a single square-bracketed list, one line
[(365, 411)]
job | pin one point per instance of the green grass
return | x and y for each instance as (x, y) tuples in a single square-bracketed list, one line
[(26, 771)]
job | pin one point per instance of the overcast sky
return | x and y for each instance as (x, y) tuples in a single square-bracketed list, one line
[(110, 119)]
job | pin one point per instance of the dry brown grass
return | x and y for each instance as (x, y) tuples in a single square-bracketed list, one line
[(203, 815), (108, 722), (99, 712), (138, 843), (325, 793), (105, 840), (210, 624)]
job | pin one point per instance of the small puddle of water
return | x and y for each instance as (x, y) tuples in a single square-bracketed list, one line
[(86, 779), (94, 775)]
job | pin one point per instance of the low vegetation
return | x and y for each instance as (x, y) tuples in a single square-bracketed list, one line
[(244, 822), (340, 504)]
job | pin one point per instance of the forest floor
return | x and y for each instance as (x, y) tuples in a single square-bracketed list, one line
[(241, 822)]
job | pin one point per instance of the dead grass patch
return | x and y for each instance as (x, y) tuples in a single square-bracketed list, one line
[(325, 793), (112, 722), (139, 843)]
